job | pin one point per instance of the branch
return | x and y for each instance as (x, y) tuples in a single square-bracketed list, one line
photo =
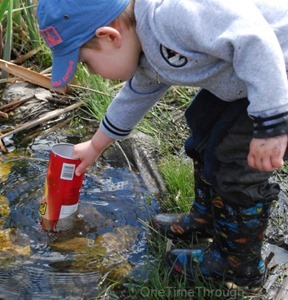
[(42, 119)]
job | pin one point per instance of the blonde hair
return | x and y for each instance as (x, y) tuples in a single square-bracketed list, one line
[(125, 19)]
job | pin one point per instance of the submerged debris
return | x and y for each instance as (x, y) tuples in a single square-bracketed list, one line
[(13, 243), (11, 246), (106, 253), (4, 208)]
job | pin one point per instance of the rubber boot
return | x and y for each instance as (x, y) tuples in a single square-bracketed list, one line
[(235, 253), (197, 221)]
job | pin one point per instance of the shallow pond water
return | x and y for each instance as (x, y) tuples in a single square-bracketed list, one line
[(108, 238)]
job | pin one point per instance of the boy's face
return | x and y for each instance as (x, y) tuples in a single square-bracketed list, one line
[(118, 54)]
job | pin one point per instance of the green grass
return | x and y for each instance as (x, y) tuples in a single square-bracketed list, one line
[(20, 31), (178, 175), (97, 95)]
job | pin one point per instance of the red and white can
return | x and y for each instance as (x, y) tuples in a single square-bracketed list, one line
[(62, 189)]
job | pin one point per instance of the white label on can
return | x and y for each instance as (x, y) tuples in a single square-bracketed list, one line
[(67, 210), (67, 172)]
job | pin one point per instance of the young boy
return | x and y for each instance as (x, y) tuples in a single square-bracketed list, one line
[(237, 53)]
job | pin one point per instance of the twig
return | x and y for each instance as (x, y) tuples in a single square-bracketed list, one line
[(117, 86), (124, 154), (26, 56), (269, 258), (169, 245), (4, 115), (16, 102), (88, 89), (26, 158), (9, 80), (46, 71), (151, 228), (54, 100), (42, 119), (2, 147), (148, 225), (46, 132)]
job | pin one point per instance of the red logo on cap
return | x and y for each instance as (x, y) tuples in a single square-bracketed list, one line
[(66, 77), (69, 71), (51, 36)]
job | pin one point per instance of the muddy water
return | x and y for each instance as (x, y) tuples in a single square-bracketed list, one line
[(108, 239)]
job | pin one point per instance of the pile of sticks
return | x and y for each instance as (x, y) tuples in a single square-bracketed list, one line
[(39, 80), (28, 125)]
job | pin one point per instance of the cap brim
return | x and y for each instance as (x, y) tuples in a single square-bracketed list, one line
[(64, 68)]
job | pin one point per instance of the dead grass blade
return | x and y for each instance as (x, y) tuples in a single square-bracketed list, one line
[(29, 75)]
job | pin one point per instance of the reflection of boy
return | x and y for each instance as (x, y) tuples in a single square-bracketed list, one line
[(238, 119)]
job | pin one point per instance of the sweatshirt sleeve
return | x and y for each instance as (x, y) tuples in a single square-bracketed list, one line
[(239, 33), (131, 104)]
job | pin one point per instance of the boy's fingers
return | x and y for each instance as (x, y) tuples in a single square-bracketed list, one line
[(266, 165), (277, 162), (251, 161), (74, 156), (80, 169)]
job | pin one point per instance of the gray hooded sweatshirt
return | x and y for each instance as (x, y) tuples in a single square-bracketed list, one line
[(232, 48)]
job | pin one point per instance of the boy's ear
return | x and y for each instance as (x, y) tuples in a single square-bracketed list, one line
[(110, 33)]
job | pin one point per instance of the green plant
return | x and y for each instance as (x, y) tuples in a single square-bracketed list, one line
[(6, 10), (30, 21), (18, 27), (3, 8), (178, 175), (96, 101)]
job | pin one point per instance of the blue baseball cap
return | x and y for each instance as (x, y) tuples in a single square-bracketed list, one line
[(68, 24)]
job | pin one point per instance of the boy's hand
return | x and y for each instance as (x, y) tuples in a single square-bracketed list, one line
[(88, 152), (267, 154)]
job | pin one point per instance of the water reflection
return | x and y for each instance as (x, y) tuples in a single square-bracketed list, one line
[(107, 238)]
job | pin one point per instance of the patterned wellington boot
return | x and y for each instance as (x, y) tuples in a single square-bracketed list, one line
[(197, 221), (235, 253)]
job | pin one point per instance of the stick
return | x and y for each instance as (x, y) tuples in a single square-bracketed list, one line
[(22, 58), (46, 132), (9, 80), (42, 119), (2, 147), (88, 89), (124, 154), (16, 102), (4, 115), (29, 75), (57, 101)]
